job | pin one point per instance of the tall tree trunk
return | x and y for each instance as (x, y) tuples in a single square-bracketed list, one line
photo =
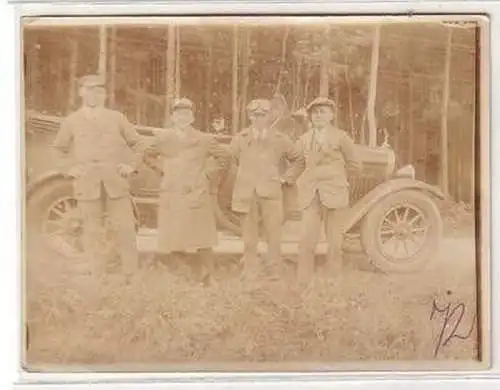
[(208, 85), (338, 121), (372, 94), (308, 81), (245, 73), (362, 131), (444, 174), (103, 50), (138, 111), (170, 72), (177, 62), (72, 72), (112, 67), (33, 73), (235, 80), (299, 91), (60, 88), (349, 98), (284, 41), (324, 79), (410, 120)]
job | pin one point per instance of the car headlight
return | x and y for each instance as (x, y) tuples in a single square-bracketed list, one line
[(406, 171)]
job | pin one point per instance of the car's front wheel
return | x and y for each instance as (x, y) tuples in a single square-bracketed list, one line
[(402, 232)]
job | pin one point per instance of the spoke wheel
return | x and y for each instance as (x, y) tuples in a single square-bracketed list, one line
[(62, 227), (54, 217), (402, 232)]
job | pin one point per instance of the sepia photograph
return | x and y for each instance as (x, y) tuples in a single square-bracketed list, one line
[(254, 193)]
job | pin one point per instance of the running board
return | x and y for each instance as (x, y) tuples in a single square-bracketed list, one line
[(228, 244)]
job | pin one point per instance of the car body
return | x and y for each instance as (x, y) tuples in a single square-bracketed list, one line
[(387, 205)]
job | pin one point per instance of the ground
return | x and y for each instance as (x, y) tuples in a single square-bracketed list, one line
[(160, 318)]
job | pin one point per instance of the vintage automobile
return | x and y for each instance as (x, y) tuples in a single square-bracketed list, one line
[(393, 216)]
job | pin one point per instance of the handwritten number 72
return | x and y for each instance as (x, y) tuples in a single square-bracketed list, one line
[(453, 316)]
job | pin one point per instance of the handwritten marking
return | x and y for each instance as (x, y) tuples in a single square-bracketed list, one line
[(453, 316)]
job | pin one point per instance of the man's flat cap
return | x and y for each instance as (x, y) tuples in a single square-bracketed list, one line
[(321, 101), (182, 103), (259, 106), (92, 80)]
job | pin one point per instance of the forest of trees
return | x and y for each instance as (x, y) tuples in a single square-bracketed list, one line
[(417, 81)]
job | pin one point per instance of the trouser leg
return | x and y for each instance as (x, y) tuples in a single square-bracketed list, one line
[(92, 213), (203, 267), (250, 235), (311, 227), (121, 215), (334, 237), (272, 215)]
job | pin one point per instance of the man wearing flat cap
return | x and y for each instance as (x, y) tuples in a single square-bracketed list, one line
[(323, 188), (186, 218), (260, 150), (102, 141)]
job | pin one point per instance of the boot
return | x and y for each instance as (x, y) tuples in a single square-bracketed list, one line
[(334, 266), (162, 259), (202, 265), (251, 267), (305, 270)]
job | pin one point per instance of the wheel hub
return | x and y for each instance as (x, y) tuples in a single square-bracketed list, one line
[(402, 231), (400, 228)]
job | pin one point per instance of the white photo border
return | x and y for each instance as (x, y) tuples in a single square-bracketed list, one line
[(375, 380)]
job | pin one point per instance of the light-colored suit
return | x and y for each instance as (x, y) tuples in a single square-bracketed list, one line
[(324, 188), (259, 184), (100, 140)]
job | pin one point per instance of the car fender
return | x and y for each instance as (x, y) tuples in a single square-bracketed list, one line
[(356, 212), (34, 185), (51, 176)]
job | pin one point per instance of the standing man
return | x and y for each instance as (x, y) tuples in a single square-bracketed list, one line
[(323, 188), (186, 217), (258, 189), (100, 139)]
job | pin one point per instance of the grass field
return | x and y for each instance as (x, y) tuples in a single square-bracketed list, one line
[(160, 318)]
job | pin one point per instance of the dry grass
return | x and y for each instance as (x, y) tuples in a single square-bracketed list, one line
[(161, 318), (458, 218)]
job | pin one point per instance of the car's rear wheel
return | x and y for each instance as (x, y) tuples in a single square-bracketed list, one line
[(402, 232), (54, 218)]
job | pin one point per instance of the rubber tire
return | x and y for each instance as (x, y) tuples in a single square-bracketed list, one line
[(425, 255), (37, 206), (40, 201)]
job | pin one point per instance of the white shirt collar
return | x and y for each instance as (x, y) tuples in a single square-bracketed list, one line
[(259, 134)]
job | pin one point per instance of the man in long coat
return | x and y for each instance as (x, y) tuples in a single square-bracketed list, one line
[(100, 139), (186, 217), (258, 189), (323, 187)]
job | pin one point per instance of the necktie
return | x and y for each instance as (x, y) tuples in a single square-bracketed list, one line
[(318, 140)]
